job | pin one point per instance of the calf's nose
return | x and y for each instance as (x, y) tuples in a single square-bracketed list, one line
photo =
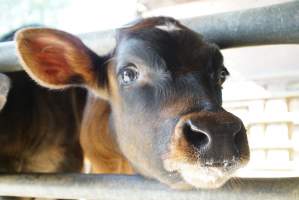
[(218, 137)]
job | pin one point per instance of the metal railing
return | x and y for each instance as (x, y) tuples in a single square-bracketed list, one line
[(118, 187)]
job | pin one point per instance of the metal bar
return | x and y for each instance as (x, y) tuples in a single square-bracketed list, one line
[(100, 42), (4, 88), (118, 187), (8, 58), (278, 24)]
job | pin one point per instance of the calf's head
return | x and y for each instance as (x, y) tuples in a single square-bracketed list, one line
[(163, 83)]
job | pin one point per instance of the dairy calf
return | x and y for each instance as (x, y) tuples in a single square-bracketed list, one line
[(155, 104)]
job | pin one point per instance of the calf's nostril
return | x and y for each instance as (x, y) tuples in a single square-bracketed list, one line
[(236, 128), (238, 138), (195, 136)]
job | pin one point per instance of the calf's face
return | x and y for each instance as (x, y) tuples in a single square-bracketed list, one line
[(163, 83)]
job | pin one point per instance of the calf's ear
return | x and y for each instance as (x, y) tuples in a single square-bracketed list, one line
[(56, 59)]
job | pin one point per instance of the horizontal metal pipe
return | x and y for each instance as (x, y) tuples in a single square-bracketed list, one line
[(118, 187), (278, 24), (100, 42)]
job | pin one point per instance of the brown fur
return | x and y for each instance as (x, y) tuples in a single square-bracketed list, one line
[(40, 129), (97, 142), (59, 54)]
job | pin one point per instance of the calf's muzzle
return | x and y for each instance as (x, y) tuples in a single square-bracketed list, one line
[(217, 138)]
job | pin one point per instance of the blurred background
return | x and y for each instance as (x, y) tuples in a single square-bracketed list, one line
[(263, 88)]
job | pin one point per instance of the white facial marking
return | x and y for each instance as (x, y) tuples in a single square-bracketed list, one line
[(203, 177), (169, 27), (196, 175)]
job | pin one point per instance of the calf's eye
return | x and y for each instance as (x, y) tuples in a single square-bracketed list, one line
[(222, 76), (128, 75)]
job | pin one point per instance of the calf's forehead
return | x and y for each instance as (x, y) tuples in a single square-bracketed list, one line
[(176, 47), (140, 53)]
